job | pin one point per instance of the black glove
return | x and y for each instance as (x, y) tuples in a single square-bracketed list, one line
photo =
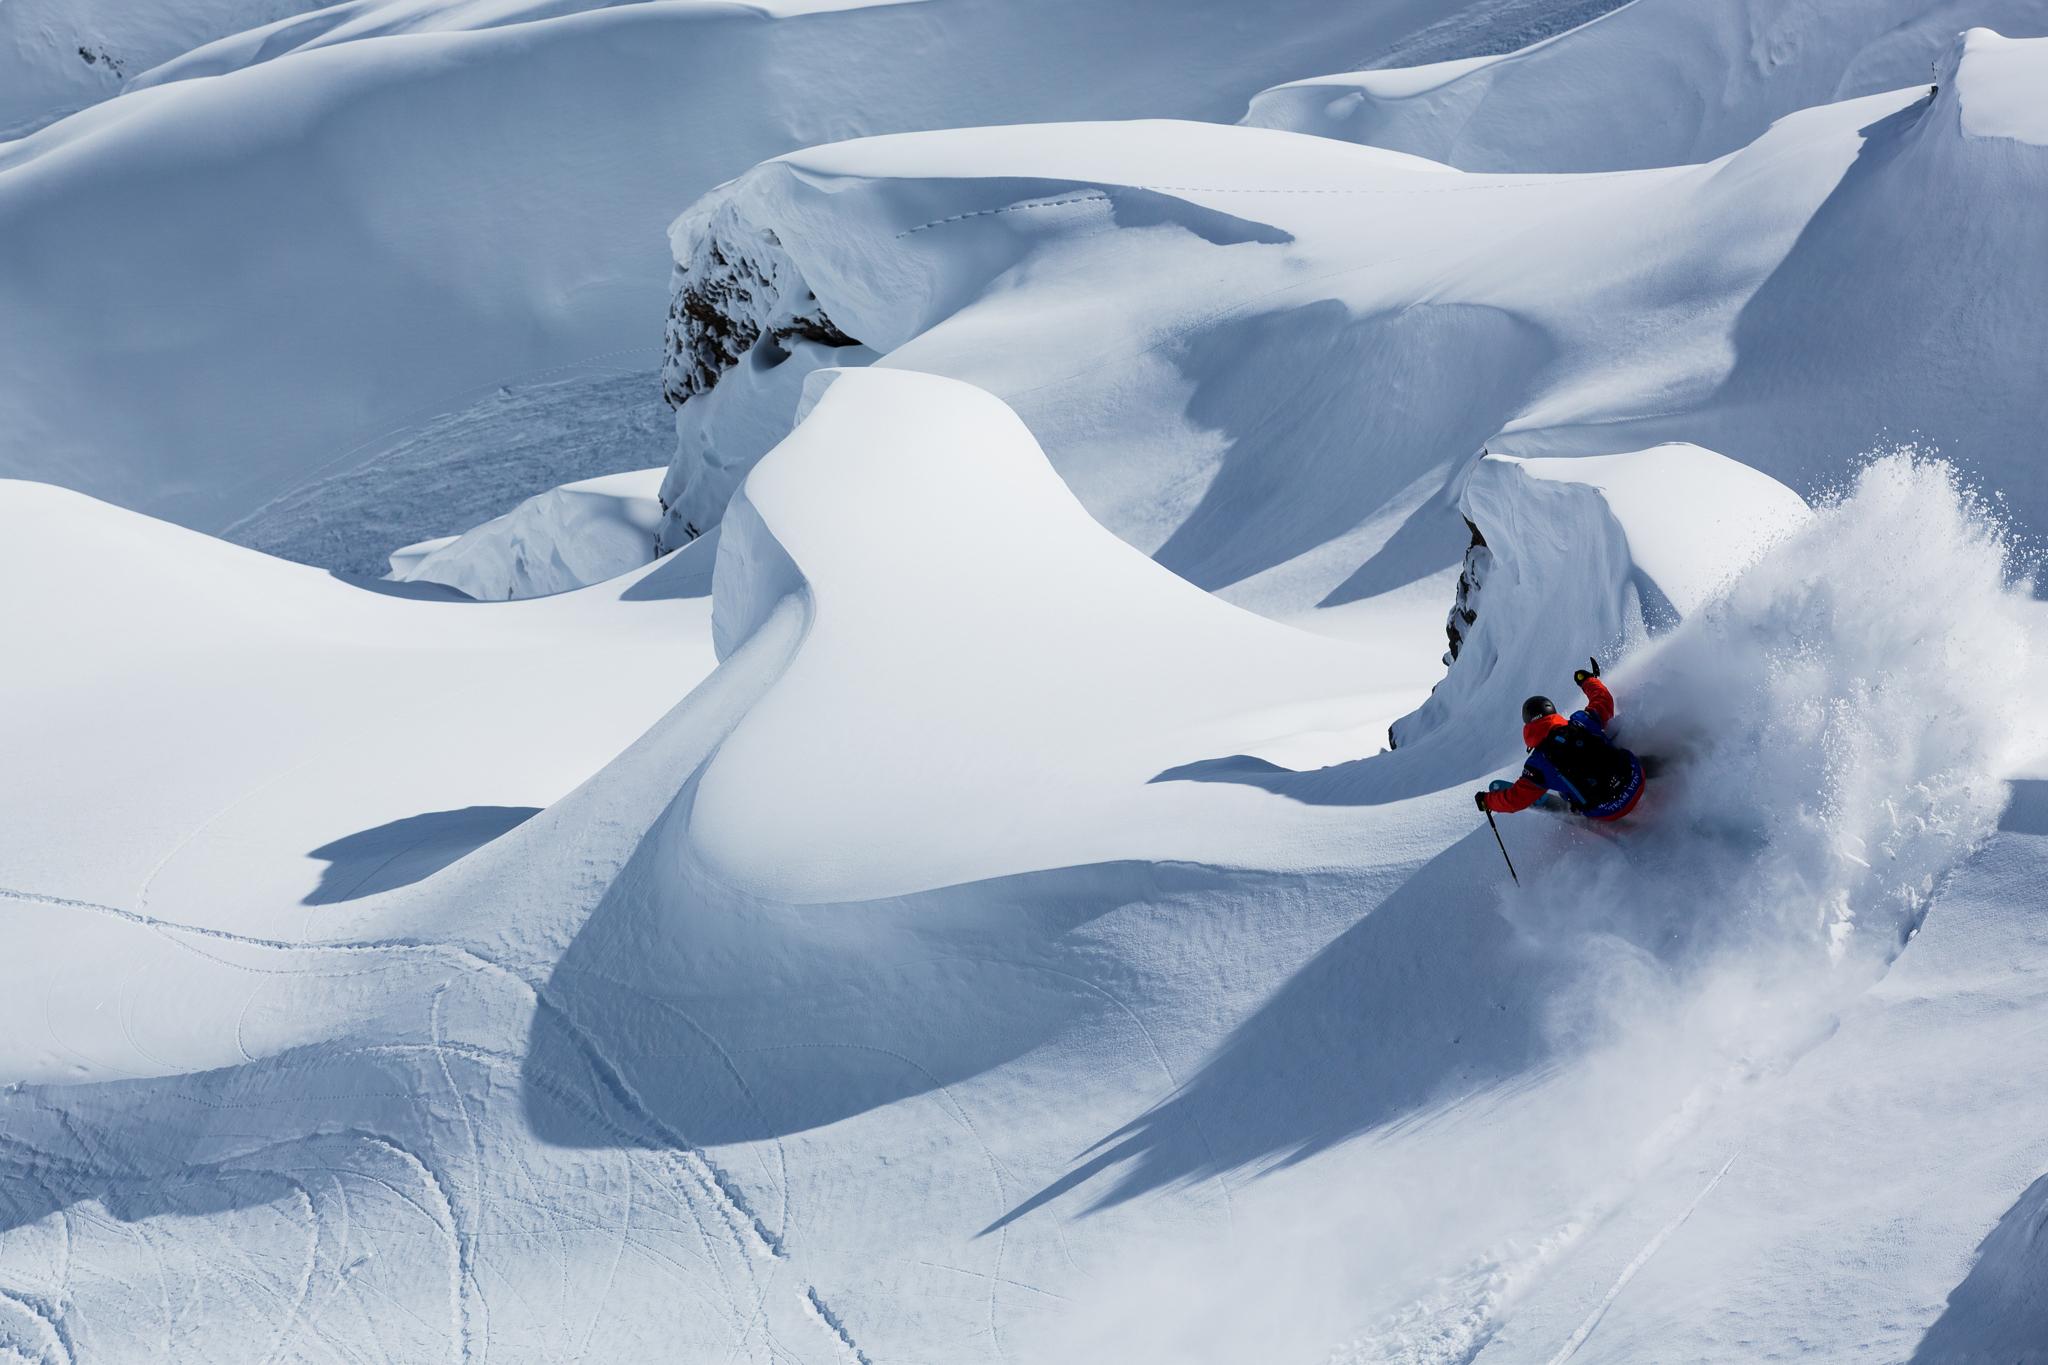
[(1585, 673), (1479, 800)]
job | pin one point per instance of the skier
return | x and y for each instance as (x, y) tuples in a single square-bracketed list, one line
[(1574, 758)]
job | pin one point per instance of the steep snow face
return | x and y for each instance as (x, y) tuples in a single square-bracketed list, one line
[(454, 471), (1697, 79), (1307, 339), (568, 537), (1595, 553)]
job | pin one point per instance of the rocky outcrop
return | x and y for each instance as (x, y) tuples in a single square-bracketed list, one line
[(738, 303), (735, 288)]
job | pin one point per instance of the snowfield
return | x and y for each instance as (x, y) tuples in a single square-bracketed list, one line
[(973, 859)]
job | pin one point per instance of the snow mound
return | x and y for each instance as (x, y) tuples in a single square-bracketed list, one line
[(569, 537), (1997, 82), (1699, 78), (961, 603), (304, 740), (1571, 556)]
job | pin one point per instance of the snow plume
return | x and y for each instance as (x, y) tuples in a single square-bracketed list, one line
[(1831, 731)]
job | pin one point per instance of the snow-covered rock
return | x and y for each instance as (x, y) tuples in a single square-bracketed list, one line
[(1589, 555), (1697, 79), (569, 537)]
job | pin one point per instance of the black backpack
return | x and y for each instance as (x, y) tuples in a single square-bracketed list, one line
[(1595, 769)]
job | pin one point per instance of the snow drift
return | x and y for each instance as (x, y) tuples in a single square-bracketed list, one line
[(1699, 78), (200, 732), (418, 202), (569, 537), (1268, 282)]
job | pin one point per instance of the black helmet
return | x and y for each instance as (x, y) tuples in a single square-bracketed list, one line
[(1537, 706)]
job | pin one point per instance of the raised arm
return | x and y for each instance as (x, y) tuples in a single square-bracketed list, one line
[(1599, 701)]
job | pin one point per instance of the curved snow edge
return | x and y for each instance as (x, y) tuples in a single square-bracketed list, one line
[(1577, 555)]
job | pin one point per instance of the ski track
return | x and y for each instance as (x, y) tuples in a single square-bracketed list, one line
[(730, 1206)]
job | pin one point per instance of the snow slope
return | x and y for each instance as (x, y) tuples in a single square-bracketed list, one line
[(197, 731), (959, 907), (306, 252), (1265, 283), (1698, 79), (852, 1022), (458, 469)]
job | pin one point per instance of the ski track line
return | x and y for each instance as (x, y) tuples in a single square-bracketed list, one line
[(746, 1227), (1642, 1258), (465, 1248), (193, 835), (944, 1097)]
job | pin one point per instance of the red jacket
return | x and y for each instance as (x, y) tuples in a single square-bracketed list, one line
[(1527, 789)]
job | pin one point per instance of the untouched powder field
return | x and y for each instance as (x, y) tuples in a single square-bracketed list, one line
[(912, 799)]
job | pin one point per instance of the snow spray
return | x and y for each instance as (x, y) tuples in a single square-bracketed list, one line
[(1831, 729)]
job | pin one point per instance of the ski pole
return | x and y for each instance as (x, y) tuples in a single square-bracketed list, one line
[(1503, 848)]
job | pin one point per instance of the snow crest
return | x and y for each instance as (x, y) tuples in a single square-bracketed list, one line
[(1572, 555)]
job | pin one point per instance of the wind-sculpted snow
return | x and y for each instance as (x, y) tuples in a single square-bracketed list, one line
[(961, 1055), (234, 285), (1306, 339), (1602, 552), (1699, 77), (958, 907), (569, 537)]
